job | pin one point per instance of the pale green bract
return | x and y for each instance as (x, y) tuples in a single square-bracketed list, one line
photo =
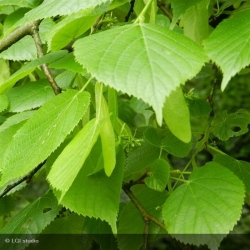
[(146, 61), (106, 132), (43, 133), (70, 161), (205, 207), (234, 31)]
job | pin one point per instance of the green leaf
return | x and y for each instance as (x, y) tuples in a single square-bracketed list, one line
[(15, 119), (28, 68), (63, 7), (142, 108), (43, 133), (198, 107), (20, 3), (45, 26), (5, 70), (219, 45), (230, 125), (7, 204), (106, 132), (195, 22), (101, 233), (205, 207), (159, 175), (66, 79), (30, 220), (239, 168), (65, 230), (14, 17), (29, 96), (74, 155), (7, 135), (68, 62), (131, 224), (70, 28), (97, 195), (122, 129), (176, 115), (141, 158), (133, 65), (3, 102), (23, 50), (179, 8), (164, 139)]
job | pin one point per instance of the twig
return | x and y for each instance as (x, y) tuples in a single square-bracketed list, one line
[(144, 213), (211, 94), (161, 5), (15, 36), (145, 233), (26, 178), (39, 47), (131, 10)]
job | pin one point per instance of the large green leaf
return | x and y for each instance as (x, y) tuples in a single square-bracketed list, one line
[(23, 50), (230, 125), (176, 115), (28, 68), (61, 176), (63, 7), (159, 175), (144, 60), (131, 224), (29, 96), (205, 207), (239, 168), (30, 220), (179, 7), (97, 195), (43, 133), (230, 48), (164, 139)]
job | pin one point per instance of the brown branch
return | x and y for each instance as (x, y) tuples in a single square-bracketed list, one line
[(15, 36), (161, 5), (39, 47), (131, 10), (144, 213), (26, 178), (145, 233)]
